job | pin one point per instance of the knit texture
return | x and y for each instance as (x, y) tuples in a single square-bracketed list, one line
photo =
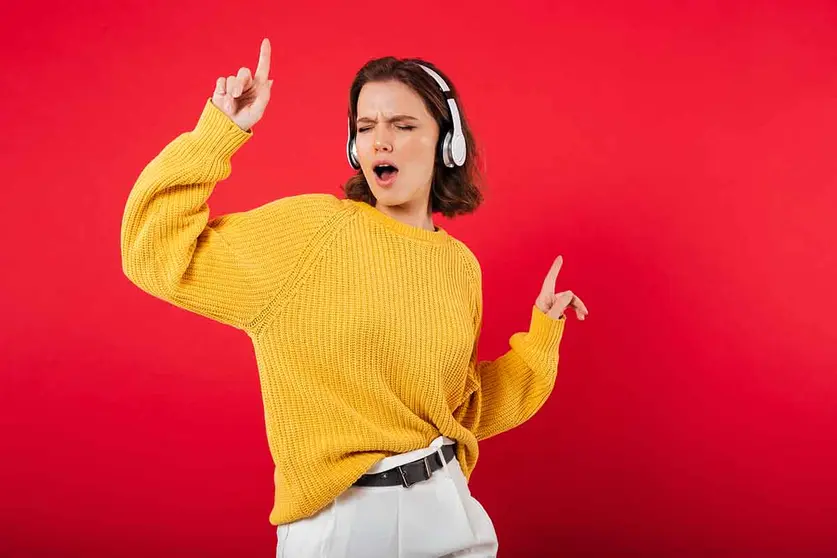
[(365, 329)]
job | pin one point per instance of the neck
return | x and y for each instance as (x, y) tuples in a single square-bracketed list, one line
[(414, 216)]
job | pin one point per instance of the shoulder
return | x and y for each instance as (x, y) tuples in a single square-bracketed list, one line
[(471, 277), (300, 209), (296, 213), (468, 260), (318, 203)]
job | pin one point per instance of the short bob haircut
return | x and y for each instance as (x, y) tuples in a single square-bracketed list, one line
[(454, 191)]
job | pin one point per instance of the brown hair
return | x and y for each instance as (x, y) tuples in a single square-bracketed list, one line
[(454, 190)]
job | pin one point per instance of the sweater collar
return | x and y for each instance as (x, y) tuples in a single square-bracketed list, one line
[(396, 226)]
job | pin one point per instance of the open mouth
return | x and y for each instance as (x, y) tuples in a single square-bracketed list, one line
[(385, 173)]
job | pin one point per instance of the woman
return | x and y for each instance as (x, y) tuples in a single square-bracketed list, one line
[(364, 316)]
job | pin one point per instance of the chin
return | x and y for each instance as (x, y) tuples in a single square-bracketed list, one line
[(391, 196)]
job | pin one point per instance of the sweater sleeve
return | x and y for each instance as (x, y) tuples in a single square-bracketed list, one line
[(509, 390), (228, 268)]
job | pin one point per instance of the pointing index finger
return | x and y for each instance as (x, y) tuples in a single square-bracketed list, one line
[(552, 276), (264, 61)]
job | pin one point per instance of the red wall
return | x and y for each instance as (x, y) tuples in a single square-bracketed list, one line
[(681, 158)]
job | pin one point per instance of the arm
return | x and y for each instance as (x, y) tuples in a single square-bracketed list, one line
[(513, 387), (229, 268)]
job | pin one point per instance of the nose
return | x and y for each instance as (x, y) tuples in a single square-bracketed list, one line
[(382, 141)]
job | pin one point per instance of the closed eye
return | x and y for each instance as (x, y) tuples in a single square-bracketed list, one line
[(367, 128)]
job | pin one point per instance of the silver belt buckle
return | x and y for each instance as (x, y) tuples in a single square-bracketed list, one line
[(408, 484)]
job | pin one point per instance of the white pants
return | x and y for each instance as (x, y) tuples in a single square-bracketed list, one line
[(431, 519)]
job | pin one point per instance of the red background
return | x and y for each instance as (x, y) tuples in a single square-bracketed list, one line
[(682, 159)]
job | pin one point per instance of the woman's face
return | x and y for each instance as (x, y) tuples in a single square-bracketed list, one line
[(396, 143)]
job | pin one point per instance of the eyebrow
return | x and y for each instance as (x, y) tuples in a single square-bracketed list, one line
[(393, 118)]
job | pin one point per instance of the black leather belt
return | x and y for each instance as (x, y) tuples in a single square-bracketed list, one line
[(409, 473)]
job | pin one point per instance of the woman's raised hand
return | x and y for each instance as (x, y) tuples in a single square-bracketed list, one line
[(243, 97)]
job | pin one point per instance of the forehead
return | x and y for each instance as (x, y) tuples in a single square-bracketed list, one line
[(390, 97)]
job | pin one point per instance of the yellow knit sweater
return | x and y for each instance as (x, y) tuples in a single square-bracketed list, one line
[(365, 329)]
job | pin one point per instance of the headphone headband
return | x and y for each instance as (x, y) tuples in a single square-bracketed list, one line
[(442, 84)]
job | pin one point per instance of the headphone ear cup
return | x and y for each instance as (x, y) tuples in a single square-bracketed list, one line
[(355, 158), (458, 150), (351, 148), (351, 154), (446, 150), (453, 150)]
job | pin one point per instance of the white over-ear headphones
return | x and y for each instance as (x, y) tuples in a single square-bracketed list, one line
[(452, 147)]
